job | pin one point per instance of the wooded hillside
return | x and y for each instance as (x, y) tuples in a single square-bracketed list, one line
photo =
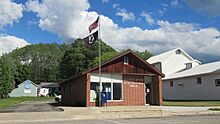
[(51, 62)]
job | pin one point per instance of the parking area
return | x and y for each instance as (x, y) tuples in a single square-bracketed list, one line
[(32, 106)]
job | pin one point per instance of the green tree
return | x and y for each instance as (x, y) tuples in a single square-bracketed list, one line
[(106, 56), (38, 62), (80, 57), (6, 77), (145, 54)]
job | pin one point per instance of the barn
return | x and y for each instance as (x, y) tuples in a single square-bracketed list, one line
[(127, 80)]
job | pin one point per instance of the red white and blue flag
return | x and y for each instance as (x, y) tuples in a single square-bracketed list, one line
[(94, 25)]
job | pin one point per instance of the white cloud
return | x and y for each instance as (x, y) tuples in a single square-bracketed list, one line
[(126, 16), (9, 12), (63, 17), (9, 43), (105, 1), (148, 18), (69, 20), (210, 7), (160, 12), (115, 5), (174, 2), (164, 5)]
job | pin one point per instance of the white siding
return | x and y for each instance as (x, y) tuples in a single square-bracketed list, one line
[(116, 78), (190, 90), (174, 63)]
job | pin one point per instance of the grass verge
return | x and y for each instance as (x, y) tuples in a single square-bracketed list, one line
[(215, 109), (6, 102), (192, 103)]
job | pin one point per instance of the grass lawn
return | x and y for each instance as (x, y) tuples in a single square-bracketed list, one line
[(191, 103), (6, 102)]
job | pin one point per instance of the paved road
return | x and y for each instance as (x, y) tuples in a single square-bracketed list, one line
[(167, 120), (32, 106)]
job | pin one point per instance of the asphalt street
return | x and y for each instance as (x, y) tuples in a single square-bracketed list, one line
[(164, 120), (31, 106)]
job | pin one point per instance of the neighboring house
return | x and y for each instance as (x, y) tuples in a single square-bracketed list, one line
[(199, 83), (127, 80), (26, 88), (173, 61), (52, 86)]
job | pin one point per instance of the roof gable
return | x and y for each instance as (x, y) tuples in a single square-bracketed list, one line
[(163, 56), (127, 52), (29, 81)]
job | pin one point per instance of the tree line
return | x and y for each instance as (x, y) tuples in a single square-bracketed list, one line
[(51, 62)]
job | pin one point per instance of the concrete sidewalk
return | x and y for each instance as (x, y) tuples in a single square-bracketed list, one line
[(76, 113)]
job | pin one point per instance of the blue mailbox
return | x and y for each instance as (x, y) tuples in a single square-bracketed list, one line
[(104, 97)]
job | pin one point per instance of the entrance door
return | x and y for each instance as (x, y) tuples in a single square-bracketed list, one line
[(148, 93)]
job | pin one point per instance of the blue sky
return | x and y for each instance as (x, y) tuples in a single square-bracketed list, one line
[(154, 25)]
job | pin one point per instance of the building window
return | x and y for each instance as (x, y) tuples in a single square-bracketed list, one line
[(171, 83), (71, 88), (107, 88), (94, 91), (117, 91), (126, 60), (199, 80), (188, 65), (113, 90), (178, 52), (217, 82)]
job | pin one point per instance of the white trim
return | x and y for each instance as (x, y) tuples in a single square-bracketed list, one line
[(116, 78), (108, 78)]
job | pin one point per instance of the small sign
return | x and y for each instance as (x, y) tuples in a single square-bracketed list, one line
[(27, 84), (27, 90), (132, 85)]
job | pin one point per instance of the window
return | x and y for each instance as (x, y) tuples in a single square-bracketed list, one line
[(117, 91), (113, 90), (94, 90), (188, 65), (171, 83), (107, 88), (217, 82), (71, 88), (199, 80), (126, 60), (178, 52)]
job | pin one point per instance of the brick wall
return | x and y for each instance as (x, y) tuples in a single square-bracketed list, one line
[(76, 95)]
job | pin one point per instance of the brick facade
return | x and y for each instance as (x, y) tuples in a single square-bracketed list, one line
[(132, 92), (76, 90)]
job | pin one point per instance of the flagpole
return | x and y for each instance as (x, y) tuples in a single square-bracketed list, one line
[(100, 82)]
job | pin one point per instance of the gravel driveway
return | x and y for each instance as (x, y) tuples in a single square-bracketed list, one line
[(32, 106)]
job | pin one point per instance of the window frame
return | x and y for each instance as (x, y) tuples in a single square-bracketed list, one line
[(216, 82), (126, 60), (198, 80), (178, 52), (112, 100), (171, 83), (113, 91)]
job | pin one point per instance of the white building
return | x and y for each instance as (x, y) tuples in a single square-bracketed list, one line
[(186, 78), (173, 61), (199, 83)]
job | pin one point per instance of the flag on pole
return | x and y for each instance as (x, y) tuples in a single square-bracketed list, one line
[(94, 25), (90, 40)]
